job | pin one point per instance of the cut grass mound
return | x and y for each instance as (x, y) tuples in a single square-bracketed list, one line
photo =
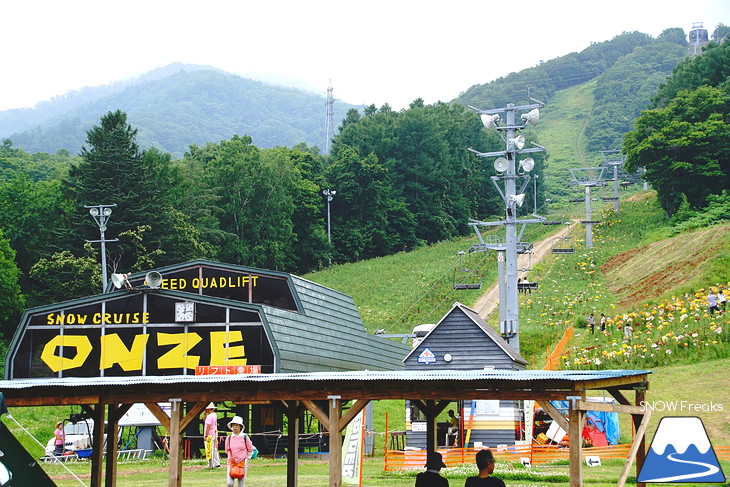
[(653, 270)]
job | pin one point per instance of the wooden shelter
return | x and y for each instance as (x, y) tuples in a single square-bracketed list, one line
[(107, 398)]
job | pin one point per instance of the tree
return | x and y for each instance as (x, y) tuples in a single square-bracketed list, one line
[(12, 301), (64, 276), (684, 147), (141, 185)]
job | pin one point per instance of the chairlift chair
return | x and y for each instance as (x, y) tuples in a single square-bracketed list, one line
[(563, 248), (466, 278)]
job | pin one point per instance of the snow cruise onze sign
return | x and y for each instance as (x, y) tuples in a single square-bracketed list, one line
[(142, 332)]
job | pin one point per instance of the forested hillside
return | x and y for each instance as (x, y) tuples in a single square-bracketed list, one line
[(626, 70), (403, 180), (176, 108)]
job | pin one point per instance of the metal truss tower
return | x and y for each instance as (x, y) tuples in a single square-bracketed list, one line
[(588, 177), (613, 159), (509, 172), (329, 131)]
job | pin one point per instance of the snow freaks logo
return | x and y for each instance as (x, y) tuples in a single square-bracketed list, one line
[(681, 452)]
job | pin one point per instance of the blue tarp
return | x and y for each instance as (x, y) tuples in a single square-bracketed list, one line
[(606, 422)]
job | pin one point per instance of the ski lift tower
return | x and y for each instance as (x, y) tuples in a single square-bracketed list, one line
[(588, 177), (509, 173), (612, 158)]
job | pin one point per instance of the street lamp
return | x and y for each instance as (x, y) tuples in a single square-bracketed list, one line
[(329, 194), (101, 214)]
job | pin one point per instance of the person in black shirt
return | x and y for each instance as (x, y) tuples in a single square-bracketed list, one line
[(431, 477), (485, 464)]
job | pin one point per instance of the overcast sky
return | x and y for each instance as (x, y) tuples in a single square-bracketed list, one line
[(373, 51)]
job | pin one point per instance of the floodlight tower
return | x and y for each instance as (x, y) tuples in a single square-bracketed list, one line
[(611, 159), (509, 172), (329, 120), (101, 214), (588, 177)]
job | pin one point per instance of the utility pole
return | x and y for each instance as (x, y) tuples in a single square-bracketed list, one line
[(330, 194), (509, 172)]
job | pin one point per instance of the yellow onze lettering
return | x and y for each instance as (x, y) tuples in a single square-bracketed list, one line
[(113, 351), (177, 358), (221, 353), (57, 363)]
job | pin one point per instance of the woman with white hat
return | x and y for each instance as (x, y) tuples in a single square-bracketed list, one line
[(210, 434), (239, 449)]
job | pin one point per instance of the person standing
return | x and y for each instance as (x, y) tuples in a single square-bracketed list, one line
[(239, 449), (603, 322), (721, 300), (592, 323), (59, 439), (453, 429), (431, 477), (210, 434), (485, 464), (712, 302)]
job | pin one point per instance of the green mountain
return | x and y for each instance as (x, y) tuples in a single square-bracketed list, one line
[(175, 107)]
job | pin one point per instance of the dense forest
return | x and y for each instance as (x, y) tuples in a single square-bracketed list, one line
[(403, 179)]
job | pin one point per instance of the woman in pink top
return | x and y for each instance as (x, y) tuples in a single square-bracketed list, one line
[(238, 448), (58, 443)]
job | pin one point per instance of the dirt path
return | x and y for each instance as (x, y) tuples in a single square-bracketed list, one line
[(489, 301)]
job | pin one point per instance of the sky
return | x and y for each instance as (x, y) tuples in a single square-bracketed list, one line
[(372, 52)]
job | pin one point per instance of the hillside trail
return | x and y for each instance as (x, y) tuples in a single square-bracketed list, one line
[(489, 301)]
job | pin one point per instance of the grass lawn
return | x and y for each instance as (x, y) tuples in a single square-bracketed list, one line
[(264, 472)]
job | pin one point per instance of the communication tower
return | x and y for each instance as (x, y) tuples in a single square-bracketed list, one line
[(329, 120)]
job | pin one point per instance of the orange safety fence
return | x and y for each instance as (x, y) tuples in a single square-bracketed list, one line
[(552, 361), (416, 459)]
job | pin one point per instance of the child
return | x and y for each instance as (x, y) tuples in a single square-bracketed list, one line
[(238, 449)]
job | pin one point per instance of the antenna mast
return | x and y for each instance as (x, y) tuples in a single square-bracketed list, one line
[(329, 120)]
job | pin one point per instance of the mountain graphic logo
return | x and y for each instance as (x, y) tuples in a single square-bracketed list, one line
[(681, 452)]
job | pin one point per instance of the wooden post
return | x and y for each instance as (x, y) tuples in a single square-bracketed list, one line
[(335, 412), (112, 437), (641, 452), (176, 414), (293, 411), (576, 417), (431, 409), (97, 453)]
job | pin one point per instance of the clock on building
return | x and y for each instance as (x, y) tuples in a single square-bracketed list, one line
[(185, 312)]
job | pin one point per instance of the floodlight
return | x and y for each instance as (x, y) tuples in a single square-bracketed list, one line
[(518, 142), (500, 164), (94, 211), (490, 121), (528, 164), (120, 281), (517, 199), (532, 117), (153, 279)]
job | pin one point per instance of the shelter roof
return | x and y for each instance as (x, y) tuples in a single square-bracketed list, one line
[(350, 385)]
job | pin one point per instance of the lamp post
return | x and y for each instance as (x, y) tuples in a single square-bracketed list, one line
[(101, 214), (329, 194)]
